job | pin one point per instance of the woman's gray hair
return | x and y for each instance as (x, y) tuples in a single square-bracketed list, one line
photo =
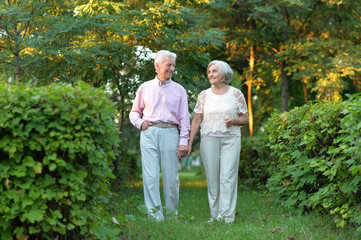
[(159, 57), (225, 70)]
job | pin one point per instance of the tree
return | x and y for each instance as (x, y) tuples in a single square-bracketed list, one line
[(291, 42), (307, 38), (18, 20), (109, 44), (128, 33), (242, 50), (327, 59), (101, 42)]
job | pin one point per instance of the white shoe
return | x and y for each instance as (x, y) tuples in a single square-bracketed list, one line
[(228, 221), (156, 217)]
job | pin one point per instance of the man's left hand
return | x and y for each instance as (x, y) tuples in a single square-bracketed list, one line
[(182, 151)]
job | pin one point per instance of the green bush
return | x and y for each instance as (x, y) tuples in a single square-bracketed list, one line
[(125, 168), (56, 146), (350, 147), (254, 162), (315, 158)]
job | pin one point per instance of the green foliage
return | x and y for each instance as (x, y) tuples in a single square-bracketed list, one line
[(351, 147), (125, 167), (105, 42), (56, 147), (254, 163), (315, 158), (312, 43)]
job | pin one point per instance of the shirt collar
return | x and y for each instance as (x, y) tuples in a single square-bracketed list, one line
[(160, 83)]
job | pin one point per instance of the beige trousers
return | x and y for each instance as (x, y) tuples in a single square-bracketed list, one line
[(220, 157)]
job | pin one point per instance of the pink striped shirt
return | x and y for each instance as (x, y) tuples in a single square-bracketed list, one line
[(167, 103)]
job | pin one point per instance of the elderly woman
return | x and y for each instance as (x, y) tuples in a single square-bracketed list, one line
[(220, 111)]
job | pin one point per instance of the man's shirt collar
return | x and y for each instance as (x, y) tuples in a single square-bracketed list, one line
[(160, 83)]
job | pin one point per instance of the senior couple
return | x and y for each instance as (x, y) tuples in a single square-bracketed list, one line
[(160, 111)]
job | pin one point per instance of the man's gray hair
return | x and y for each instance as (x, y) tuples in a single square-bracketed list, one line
[(225, 70), (159, 57)]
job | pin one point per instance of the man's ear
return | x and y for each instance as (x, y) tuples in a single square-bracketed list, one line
[(156, 66)]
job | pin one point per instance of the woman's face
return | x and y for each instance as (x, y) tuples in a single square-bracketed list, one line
[(214, 75)]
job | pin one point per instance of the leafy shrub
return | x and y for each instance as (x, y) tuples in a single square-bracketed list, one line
[(56, 146), (254, 163), (315, 157), (125, 167), (350, 147)]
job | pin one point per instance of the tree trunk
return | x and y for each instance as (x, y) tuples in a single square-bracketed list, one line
[(245, 128), (249, 85), (117, 180)]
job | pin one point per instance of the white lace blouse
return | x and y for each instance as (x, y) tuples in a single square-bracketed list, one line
[(216, 108)]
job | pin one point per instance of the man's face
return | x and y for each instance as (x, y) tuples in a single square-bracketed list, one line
[(166, 69)]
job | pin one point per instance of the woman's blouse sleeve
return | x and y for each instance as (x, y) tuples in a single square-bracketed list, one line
[(241, 102), (200, 103)]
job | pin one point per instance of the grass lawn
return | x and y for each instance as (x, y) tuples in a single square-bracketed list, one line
[(258, 217)]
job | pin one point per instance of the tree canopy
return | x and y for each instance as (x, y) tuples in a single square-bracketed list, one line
[(284, 52)]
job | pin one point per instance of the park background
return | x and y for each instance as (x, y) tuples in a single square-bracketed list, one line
[(297, 63)]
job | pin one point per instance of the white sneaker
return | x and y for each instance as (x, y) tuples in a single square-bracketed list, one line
[(156, 217), (228, 221)]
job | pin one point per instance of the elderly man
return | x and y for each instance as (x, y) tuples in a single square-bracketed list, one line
[(160, 111)]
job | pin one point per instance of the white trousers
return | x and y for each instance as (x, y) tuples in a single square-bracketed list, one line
[(220, 157), (159, 148)]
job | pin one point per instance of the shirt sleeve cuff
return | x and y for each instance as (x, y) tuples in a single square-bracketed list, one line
[(139, 123), (183, 141)]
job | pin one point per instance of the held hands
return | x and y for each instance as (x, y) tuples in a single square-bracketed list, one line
[(229, 122), (182, 151), (145, 125)]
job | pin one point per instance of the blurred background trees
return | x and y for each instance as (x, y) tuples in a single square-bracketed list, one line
[(285, 53)]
